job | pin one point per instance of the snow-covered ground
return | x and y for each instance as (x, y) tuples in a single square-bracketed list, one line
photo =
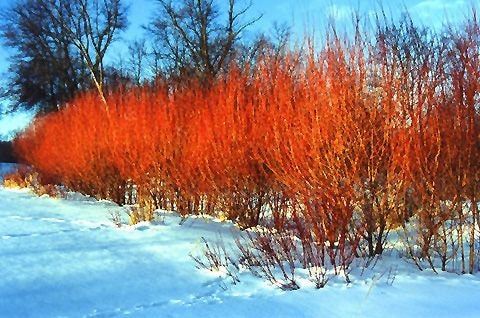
[(65, 258)]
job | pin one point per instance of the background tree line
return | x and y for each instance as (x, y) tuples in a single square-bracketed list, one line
[(61, 46)]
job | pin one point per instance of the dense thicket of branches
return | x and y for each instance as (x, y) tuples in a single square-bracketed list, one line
[(60, 47), (353, 139)]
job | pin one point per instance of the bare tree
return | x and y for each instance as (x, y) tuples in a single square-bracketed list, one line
[(91, 26), (137, 59), (194, 39), (61, 40), (275, 43), (45, 70)]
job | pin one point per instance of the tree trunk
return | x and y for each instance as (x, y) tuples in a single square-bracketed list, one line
[(471, 260)]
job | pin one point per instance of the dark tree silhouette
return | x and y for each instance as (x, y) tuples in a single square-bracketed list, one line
[(6, 152), (45, 70), (60, 47)]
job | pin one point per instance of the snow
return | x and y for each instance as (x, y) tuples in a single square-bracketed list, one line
[(66, 258)]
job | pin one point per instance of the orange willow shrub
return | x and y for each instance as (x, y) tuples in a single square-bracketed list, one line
[(301, 145), (410, 73), (459, 151), (95, 150), (440, 96), (69, 146), (466, 96), (218, 167), (140, 119), (331, 142)]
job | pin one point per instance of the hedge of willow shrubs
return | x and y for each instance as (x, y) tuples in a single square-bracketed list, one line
[(356, 138)]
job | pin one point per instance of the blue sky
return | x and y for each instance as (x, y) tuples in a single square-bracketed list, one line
[(300, 14), (313, 14)]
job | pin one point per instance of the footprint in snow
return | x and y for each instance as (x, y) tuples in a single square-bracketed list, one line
[(52, 220)]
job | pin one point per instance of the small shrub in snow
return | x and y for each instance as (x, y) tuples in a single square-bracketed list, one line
[(116, 218), (27, 178), (271, 255), (276, 256), (215, 258), (15, 179), (139, 214)]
